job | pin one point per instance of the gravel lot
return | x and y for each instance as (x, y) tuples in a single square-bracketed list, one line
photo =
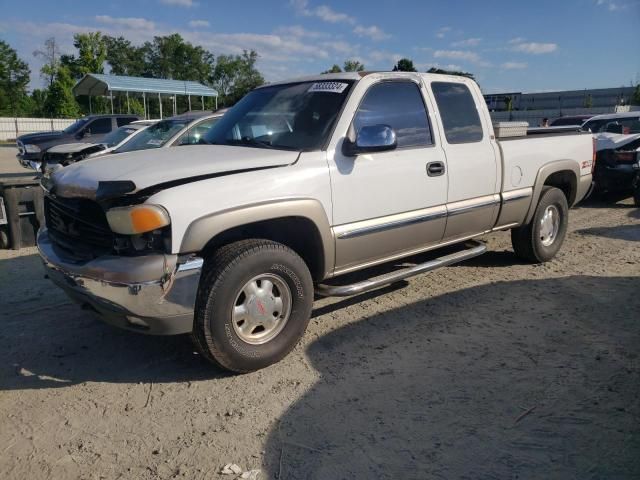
[(489, 369)]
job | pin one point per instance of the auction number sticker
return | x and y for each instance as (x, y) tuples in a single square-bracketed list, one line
[(331, 87)]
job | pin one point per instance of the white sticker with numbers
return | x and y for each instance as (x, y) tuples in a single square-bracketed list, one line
[(330, 87)]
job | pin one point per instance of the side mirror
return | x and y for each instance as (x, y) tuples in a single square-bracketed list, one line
[(371, 138)]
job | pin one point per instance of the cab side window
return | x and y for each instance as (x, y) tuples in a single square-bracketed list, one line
[(195, 133), (399, 105), (458, 112), (100, 126)]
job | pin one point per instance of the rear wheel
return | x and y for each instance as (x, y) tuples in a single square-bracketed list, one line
[(540, 240), (253, 306)]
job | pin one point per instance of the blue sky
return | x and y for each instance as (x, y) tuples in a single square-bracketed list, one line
[(509, 45)]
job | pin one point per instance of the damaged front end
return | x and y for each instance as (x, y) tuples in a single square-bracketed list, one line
[(102, 248)]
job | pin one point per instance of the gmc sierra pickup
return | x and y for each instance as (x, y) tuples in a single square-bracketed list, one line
[(300, 183)]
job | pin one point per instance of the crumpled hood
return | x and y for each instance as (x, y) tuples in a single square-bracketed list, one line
[(606, 141), (70, 147), (148, 168)]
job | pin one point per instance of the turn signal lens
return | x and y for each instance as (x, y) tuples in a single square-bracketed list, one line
[(137, 219)]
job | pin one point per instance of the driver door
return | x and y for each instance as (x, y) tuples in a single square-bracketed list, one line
[(388, 204)]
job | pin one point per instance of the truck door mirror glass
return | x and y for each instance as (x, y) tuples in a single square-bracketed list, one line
[(372, 138)]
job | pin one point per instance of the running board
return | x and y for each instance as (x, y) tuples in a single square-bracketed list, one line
[(475, 248)]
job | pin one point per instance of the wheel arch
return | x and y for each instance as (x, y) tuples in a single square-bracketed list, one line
[(563, 174), (301, 224)]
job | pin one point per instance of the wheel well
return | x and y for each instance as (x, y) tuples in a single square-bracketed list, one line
[(566, 181), (298, 233)]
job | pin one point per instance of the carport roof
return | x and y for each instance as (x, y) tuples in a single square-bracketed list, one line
[(96, 84)]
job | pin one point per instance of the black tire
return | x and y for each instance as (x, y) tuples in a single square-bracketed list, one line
[(526, 240), (225, 272), (636, 196)]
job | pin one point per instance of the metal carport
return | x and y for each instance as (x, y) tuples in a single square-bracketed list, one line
[(98, 84)]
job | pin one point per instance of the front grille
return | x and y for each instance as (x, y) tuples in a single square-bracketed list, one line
[(79, 226)]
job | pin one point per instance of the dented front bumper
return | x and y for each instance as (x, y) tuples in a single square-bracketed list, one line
[(153, 293)]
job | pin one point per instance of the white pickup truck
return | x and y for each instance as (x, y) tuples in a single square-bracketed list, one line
[(300, 183)]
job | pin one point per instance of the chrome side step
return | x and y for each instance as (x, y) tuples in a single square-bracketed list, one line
[(476, 248)]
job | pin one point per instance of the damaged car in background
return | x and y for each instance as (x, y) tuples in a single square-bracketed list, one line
[(617, 139), (185, 129), (69, 153)]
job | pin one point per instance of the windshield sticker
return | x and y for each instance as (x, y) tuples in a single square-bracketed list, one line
[(331, 87), (154, 141)]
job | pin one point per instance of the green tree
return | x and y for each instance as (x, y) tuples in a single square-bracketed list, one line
[(171, 57), (334, 69), (635, 99), (451, 72), (123, 57), (60, 102), (50, 55), (235, 75), (353, 66), (508, 103), (588, 101), (404, 65), (14, 78)]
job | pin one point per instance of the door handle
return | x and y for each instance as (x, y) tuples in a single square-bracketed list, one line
[(435, 169)]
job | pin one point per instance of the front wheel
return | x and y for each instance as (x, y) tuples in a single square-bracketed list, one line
[(540, 240), (253, 306)]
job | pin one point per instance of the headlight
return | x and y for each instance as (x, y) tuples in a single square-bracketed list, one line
[(29, 148), (137, 219)]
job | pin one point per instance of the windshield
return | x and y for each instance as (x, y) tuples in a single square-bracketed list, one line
[(296, 116), (75, 126), (154, 136), (117, 136)]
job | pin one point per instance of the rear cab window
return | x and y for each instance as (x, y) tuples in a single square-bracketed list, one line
[(458, 112)]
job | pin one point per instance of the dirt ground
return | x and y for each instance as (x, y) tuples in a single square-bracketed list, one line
[(489, 369)]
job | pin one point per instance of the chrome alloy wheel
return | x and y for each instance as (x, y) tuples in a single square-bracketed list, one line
[(261, 309), (549, 225)]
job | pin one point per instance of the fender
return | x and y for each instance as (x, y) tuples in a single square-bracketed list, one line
[(203, 229), (545, 172)]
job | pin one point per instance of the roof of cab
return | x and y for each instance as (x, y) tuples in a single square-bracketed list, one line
[(355, 76)]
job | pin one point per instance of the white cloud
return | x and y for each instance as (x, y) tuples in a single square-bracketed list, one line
[(514, 65), (373, 32), (299, 31), (464, 55), (442, 32), (382, 56), (613, 6), (513, 41), (180, 3), (534, 48), (469, 42), (199, 24), (457, 54), (323, 12), (126, 22)]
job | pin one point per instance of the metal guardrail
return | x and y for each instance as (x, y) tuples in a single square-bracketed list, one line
[(11, 128)]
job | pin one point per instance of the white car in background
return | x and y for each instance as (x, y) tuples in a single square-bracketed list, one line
[(617, 140), (68, 153), (185, 129)]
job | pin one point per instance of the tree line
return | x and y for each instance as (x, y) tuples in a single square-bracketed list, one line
[(167, 57)]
